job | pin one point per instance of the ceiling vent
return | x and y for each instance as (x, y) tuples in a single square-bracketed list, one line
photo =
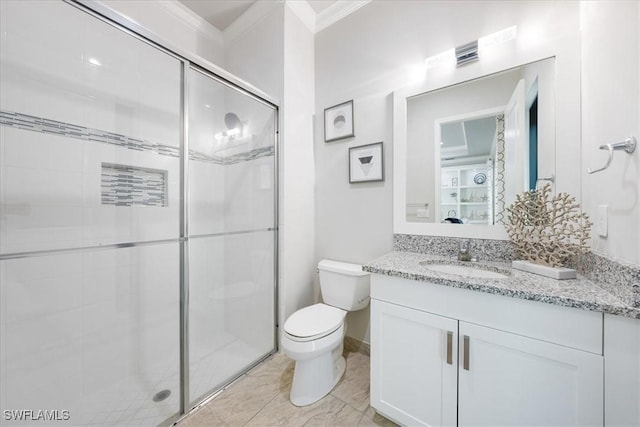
[(466, 53)]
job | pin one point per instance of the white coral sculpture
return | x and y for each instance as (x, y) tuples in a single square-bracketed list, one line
[(548, 230)]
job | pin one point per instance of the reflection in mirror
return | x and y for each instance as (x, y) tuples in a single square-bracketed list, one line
[(472, 147)]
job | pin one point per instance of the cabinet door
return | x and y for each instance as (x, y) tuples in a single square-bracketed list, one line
[(510, 380), (413, 365)]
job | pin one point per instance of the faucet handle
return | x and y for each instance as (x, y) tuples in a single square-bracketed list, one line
[(463, 252)]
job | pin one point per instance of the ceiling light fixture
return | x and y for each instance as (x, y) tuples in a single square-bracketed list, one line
[(470, 52), (498, 37), (446, 57), (467, 53)]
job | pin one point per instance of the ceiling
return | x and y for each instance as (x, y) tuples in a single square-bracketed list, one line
[(470, 138), (222, 13), (219, 13)]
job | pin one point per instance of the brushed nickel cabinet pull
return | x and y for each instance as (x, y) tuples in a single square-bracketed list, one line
[(449, 348), (465, 355)]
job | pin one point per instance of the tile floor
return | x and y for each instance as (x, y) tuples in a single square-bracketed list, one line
[(261, 398)]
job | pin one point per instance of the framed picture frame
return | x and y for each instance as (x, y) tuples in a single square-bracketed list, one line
[(366, 163), (338, 122)]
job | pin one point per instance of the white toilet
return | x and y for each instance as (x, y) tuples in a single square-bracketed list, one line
[(313, 336)]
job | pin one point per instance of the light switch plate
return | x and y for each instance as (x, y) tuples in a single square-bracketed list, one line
[(602, 221)]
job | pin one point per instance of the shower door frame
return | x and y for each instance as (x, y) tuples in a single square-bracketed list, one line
[(190, 61)]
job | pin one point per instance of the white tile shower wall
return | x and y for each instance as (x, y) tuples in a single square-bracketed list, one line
[(55, 204), (77, 325), (206, 198), (88, 331), (249, 195), (134, 90), (206, 309), (80, 71), (231, 295), (235, 197), (206, 280), (248, 279)]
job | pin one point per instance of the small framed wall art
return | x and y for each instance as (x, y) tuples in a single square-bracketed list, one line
[(366, 163), (338, 122)]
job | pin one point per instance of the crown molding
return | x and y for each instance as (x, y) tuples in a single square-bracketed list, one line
[(257, 12), (336, 12), (190, 18), (303, 11), (314, 22)]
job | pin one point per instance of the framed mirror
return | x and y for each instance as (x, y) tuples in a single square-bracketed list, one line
[(473, 146), (467, 140)]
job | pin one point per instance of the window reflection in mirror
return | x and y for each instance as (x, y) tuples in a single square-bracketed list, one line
[(472, 147)]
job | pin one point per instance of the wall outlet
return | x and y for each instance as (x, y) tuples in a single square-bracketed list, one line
[(602, 220), (422, 213)]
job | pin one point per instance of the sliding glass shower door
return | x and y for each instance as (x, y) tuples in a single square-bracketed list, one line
[(89, 209), (231, 231), (137, 223)]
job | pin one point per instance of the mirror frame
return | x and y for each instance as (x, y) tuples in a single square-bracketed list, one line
[(567, 54)]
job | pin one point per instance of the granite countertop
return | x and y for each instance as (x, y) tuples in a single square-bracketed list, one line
[(578, 293)]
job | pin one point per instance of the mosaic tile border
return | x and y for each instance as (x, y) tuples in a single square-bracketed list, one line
[(48, 126), (39, 124), (123, 185)]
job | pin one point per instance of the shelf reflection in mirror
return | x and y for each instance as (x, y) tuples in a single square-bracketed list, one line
[(473, 146)]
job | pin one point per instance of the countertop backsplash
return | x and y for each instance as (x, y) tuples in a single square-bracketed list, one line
[(620, 278), (484, 249)]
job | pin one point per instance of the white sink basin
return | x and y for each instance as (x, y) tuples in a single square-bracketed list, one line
[(466, 271)]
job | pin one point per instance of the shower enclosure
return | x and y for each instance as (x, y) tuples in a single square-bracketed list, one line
[(138, 222)]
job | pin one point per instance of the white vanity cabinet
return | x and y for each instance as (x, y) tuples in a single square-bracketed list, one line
[(413, 365), (443, 356), (514, 380)]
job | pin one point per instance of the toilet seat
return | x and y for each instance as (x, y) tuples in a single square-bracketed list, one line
[(313, 322)]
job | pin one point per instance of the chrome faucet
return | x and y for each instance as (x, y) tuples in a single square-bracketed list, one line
[(463, 251)]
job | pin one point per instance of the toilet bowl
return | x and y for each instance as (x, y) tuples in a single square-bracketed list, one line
[(314, 336), (316, 346)]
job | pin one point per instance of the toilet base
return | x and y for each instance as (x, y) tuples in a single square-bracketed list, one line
[(315, 378)]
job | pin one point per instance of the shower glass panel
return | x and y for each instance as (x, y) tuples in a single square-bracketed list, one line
[(94, 258), (89, 221), (231, 232)]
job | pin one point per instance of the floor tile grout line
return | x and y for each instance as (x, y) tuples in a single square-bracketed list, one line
[(264, 406), (276, 367), (349, 405)]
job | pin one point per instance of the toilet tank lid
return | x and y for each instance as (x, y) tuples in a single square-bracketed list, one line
[(341, 267)]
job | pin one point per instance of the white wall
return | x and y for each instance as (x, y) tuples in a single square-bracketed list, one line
[(610, 113), (254, 48), (366, 56), (298, 213), (275, 53)]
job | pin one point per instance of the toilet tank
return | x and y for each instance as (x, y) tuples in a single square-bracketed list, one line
[(344, 285)]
